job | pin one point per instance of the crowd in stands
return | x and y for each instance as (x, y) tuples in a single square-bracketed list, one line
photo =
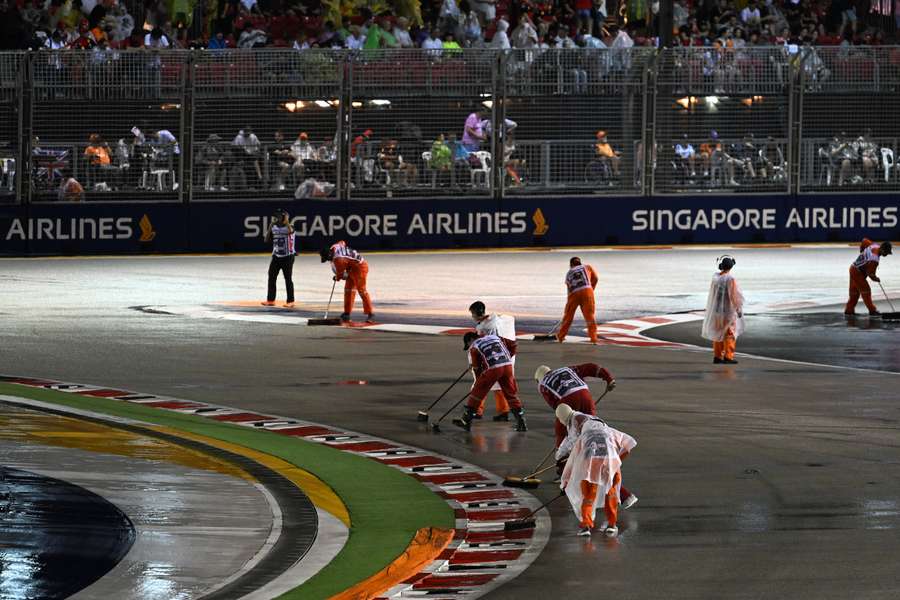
[(438, 25)]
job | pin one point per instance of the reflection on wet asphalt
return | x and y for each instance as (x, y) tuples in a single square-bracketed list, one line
[(826, 338), (56, 538)]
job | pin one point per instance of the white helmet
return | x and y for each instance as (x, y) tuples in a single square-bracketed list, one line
[(564, 414), (541, 372)]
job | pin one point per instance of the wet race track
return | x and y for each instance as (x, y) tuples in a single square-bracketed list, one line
[(767, 479)]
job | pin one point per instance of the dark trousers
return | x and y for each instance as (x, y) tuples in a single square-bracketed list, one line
[(285, 264)]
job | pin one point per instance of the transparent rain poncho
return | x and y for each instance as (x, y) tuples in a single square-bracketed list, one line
[(594, 450), (724, 308)]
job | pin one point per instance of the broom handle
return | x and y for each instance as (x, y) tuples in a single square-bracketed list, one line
[(328, 307), (544, 470), (540, 464), (886, 297), (544, 505)]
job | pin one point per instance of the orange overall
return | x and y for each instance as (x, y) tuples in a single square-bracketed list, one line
[(862, 268), (610, 502), (725, 348), (580, 282), (356, 273)]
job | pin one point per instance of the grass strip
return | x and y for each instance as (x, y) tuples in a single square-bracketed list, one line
[(386, 506)]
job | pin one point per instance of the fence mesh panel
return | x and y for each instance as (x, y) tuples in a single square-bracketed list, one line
[(722, 120), (281, 123), (11, 65), (111, 119), (265, 123), (579, 121), (409, 110), (849, 119)]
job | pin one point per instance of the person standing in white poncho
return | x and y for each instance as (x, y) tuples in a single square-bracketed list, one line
[(594, 466), (724, 321)]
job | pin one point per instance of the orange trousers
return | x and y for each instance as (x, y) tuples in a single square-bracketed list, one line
[(499, 401), (610, 503), (725, 348), (584, 299), (356, 282), (859, 287)]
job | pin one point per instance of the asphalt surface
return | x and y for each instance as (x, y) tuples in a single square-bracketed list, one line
[(828, 338), (764, 480)]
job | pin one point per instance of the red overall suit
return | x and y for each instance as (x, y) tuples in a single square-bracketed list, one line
[(348, 263), (580, 282), (491, 357)]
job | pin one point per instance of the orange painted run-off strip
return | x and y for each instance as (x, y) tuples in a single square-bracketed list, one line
[(426, 545)]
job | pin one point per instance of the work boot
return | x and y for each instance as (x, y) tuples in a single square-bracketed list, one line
[(717, 360), (501, 417), (875, 314), (370, 318), (729, 361), (519, 414), (465, 422), (345, 317)]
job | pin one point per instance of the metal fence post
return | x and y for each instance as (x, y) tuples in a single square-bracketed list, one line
[(343, 169), (650, 91), (498, 140), (795, 131), (186, 165), (23, 170)]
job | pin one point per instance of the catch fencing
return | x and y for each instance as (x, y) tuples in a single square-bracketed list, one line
[(193, 126)]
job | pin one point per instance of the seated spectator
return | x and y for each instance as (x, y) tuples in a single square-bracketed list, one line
[(771, 161), (217, 42), (302, 150), (70, 190), (433, 43), (401, 33), (252, 37), (97, 154), (377, 35), (742, 155), (391, 162), (450, 45), (356, 40), (156, 39), (684, 150), (359, 156), (707, 149), (441, 156), (605, 152), (525, 34), (513, 165), (472, 29), (167, 142), (868, 153)]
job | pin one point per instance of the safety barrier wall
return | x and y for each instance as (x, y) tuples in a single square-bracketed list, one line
[(190, 126)]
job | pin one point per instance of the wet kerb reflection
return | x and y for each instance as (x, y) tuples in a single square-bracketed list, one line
[(56, 538)]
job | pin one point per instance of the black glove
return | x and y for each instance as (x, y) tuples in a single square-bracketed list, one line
[(561, 465)]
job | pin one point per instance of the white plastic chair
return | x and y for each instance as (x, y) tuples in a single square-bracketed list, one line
[(8, 173), (887, 160), (426, 160), (484, 159)]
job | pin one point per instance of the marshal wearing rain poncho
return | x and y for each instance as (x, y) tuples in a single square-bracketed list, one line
[(724, 321), (592, 471)]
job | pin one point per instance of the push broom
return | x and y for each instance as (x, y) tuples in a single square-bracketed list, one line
[(325, 320)]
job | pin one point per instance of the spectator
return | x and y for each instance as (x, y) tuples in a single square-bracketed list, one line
[(212, 156), (605, 152), (356, 40), (283, 159), (486, 9), (433, 43), (401, 33), (360, 157), (525, 35), (450, 45), (512, 164), (378, 37), (441, 156), (156, 39), (301, 42), (751, 15), (247, 146), (472, 30), (501, 40), (473, 131), (251, 37), (867, 151), (167, 142), (708, 149), (302, 150), (684, 150), (217, 42), (97, 153), (70, 190)]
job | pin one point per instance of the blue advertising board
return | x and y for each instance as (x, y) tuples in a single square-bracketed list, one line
[(123, 227)]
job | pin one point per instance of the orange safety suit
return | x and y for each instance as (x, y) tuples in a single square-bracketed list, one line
[(580, 283), (610, 503), (862, 268), (349, 264)]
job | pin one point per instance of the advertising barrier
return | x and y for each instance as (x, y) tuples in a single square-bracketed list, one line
[(108, 228)]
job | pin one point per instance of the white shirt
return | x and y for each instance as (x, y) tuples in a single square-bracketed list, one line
[(402, 37), (165, 138), (249, 143), (434, 45), (162, 42), (352, 42), (750, 16), (684, 151)]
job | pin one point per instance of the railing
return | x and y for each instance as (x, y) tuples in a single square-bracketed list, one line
[(279, 123)]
